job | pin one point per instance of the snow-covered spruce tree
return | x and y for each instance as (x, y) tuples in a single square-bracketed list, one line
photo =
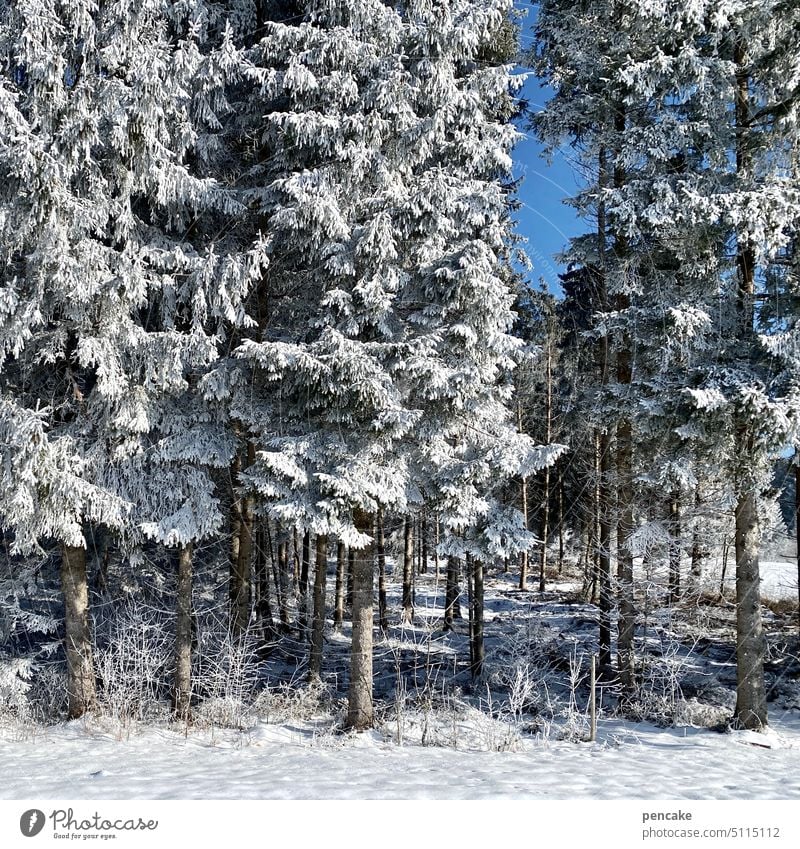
[(106, 294), (380, 376)]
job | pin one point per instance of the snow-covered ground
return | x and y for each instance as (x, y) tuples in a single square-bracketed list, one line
[(291, 762)]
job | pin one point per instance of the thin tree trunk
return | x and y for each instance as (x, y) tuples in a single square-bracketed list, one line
[(523, 556), (408, 571), (560, 522), (725, 549), (302, 618), (262, 568), (452, 608), (548, 438), (283, 579), (797, 528), (545, 530), (699, 552), (675, 547), (360, 711), (436, 548), (296, 560), (351, 561), (182, 692), (478, 652), (241, 572), (604, 556), (471, 610), (380, 542), (81, 691), (423, 530), (318, 621), (338, 609), (234, 584)]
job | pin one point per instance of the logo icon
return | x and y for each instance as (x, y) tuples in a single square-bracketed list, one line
[(31, 822)]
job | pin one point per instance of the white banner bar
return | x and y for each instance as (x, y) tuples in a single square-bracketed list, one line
[(389, 824)]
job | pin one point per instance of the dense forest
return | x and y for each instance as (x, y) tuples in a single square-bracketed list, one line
[(283, 407)]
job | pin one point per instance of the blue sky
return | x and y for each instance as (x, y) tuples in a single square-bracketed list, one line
[(544, 220)]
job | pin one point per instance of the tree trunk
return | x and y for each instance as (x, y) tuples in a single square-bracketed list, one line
[(302, 617), (674, 547), (81, 691), (360, 713), (182, 693), (604, 555), (408, 571), (471, 610), (797, 528), (283, 579), (751, 701), (560, 521), (351, 561), (478, 651), (234, 582), (451, 594), (383, 618), (523, 555), (436, 548), (423, 532), (545, 530), (548, 415), (338, 609), (240, 577), (262, 568), (318, 621), (699, 550)]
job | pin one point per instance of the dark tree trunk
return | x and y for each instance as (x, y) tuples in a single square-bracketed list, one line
[(699, 549), (81, 690), (548, 439), (302, 617), (283, 579), (360, 712), (351, 565), (797, 528), (242, 591), (560, 522), (318, 621), (262, 569), (675, 547), (423, 532), (478, 651), (182, 690), (408, 571), (604, 556), (338, 608), (383, 618), (452, 608)]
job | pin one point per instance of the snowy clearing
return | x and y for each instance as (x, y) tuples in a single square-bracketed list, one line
[(289, 762)]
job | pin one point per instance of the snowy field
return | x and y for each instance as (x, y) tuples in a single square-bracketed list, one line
[(290, 762)]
